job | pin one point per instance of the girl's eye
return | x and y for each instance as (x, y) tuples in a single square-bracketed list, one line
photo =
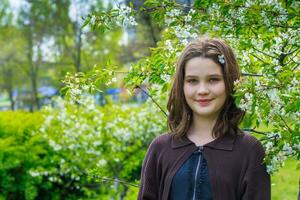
[(213, 80), (191, 80)]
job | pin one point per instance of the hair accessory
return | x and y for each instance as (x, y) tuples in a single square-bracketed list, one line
[(221, 59)]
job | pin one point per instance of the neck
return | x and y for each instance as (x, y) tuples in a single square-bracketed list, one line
[(202, 127)]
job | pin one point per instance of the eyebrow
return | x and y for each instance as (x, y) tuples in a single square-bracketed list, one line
[(210, 75)]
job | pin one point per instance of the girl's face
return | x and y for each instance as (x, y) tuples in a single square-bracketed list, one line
[(204, 87)]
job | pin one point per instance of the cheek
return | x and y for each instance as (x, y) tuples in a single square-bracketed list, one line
[(185, 90), (188, 91), (220, 90)]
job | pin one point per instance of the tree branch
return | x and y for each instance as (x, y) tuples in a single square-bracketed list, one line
[(255, 131), (153, 100), (264, 53), (267, 138), (259, 58), (115, 180), (291, 59), (247, 74), (297, 65), (286, 125), (262, 133)]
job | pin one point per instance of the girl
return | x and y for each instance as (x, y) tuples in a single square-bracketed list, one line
[(205, 155)]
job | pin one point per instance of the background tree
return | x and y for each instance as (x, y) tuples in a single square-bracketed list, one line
[(11, 55), (34, 21)]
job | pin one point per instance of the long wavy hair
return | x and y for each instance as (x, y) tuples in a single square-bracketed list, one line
[(180, 114)]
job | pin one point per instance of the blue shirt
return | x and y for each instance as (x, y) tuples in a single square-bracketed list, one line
[(191, 181)]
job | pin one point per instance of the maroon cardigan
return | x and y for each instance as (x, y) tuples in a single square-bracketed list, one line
[(234, 166)]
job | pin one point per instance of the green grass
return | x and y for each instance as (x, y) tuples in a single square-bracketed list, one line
[(285, 183)]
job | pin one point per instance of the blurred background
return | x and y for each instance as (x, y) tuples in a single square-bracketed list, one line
[(42, 40)]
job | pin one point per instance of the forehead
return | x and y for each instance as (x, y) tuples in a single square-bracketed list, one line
[(200, 66)]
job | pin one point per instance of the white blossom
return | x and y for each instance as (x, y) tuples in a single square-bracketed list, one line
[(192, 11), (174, 12), (269, 146), (169, 45), (34, 173), (246, 102), (171, 15), (165, 77), (124, 17), (288, 149), (187, 18), (54, 145), (114, 79)]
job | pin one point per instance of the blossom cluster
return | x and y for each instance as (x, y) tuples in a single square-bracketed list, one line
[(268, 56), (125, 17), (80, 133), (181, 25), (279, 154)]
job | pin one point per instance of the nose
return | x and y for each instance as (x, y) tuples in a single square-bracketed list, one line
[(202, 89)]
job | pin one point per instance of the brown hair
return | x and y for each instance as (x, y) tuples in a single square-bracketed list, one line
[(180, 114)]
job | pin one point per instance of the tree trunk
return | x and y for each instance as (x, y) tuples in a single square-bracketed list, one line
[(11, 99), (8, 85), (32, 72), (9, 88), (124, 192), (78, 48), (35, 98)]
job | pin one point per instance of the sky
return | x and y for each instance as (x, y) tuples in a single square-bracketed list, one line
[(15, 4)]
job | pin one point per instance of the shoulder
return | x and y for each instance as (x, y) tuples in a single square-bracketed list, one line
[(247, 140), (156, 147), (161, 141), (250, 145)]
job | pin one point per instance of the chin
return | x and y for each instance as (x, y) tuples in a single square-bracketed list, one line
[(205, 114)]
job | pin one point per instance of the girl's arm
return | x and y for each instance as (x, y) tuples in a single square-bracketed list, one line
[(149, 183), (257, 181)]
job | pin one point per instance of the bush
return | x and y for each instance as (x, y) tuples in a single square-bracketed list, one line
[(72, 152), (25, 158), (20, 150)]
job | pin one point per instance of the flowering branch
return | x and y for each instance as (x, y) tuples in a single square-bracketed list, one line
[(276, 136), (257, 57), (286, 125), (264, 53)]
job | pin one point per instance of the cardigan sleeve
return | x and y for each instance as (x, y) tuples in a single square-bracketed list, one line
[(256, 180), (149, 183)]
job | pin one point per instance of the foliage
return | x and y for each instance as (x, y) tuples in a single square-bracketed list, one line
[(30, 164), (110, 138), (27, 161), (103, 21), (264, 36), (58, 152), (20, 150)]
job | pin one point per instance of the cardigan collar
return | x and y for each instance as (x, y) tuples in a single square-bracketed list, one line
[(222, 143)]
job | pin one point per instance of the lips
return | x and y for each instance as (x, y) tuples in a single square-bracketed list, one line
[(203, 102)]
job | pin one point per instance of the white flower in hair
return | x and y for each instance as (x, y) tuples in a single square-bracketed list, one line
[(221, 59)]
